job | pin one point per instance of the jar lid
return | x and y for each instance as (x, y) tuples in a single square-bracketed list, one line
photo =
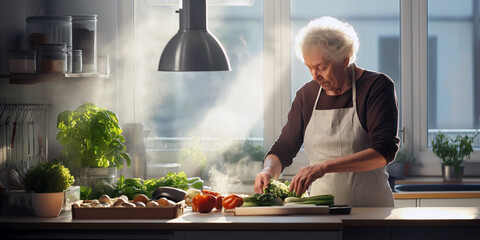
[(52, 46), (49, 18), (77, 52), (22, 51), (26, 53), (84, 17)]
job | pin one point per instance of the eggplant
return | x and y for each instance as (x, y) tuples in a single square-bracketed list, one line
[(170, 193)]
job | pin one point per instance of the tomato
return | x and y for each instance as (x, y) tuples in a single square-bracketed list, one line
[(218, 203), (232, 201), (210, 192), (203, 203)]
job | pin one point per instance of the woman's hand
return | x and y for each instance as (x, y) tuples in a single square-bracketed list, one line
[(261, 181), (272, 167), (305, 178)]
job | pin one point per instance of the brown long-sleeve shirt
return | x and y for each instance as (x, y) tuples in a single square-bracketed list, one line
[(377, 109)]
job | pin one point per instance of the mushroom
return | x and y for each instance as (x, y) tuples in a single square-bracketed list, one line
[(152, 204), (105, 199), (119, 202), (128, 205)]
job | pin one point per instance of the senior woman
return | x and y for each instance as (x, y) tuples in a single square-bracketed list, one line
[(346, 117)]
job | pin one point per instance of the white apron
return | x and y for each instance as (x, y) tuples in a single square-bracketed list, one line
[(338, 132)]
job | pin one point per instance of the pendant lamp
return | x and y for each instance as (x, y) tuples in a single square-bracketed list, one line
[(193, 48)]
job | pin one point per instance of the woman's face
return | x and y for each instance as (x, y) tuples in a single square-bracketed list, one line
[(329, 74)]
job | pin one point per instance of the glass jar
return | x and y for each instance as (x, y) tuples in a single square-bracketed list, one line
[(49, 29), (21, 61), (52, 58), (100, 176), (84, 34), (76, 61), (69, 60)]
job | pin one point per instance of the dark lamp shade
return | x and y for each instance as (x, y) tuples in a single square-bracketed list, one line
[(194, 50)]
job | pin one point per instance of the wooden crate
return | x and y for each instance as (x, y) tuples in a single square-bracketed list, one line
[(128, 213)]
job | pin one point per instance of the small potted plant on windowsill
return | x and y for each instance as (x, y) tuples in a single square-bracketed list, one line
[(93, 145), (452, 153), (47, 182), (400, 166)]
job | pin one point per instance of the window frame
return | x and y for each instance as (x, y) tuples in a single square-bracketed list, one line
[(277, 76), (416, 63)]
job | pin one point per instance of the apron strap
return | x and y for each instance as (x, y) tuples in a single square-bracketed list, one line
[(354, 89)]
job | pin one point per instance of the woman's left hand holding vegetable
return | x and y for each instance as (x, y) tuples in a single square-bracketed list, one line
[(305, 177)]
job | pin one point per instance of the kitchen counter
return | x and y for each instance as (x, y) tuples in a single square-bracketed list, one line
[(374, 219), (435, 195), (423, 180)]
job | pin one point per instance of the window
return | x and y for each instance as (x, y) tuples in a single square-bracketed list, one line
[(205, 109), (429, 50), (377, 23), (453, 79)]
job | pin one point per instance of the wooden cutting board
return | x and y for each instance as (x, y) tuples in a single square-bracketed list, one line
[(280, 210)]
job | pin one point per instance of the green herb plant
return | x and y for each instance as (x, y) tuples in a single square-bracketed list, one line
[(452, 152), (242, 150), (91, 137), (48, 177)]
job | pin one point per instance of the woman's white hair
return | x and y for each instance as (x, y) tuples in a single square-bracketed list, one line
[(336, 39)]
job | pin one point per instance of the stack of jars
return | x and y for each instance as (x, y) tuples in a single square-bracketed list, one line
[(63, 44)]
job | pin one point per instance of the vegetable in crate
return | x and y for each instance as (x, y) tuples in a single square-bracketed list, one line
[(170, 193)]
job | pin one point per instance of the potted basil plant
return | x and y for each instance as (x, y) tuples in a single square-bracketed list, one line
[(92, 143), (452, 154), (47, 182)]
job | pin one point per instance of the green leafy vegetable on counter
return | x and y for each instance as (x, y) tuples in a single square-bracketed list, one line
[(265, 199), (279, 189), (326, 199), (85, 193), (176, 180), (131, 187)]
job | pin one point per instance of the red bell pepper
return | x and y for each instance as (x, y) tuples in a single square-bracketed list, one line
[(203, 203), (232, 201), (219, 202)]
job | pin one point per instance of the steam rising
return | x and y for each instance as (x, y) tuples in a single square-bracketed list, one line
[(140, 94)]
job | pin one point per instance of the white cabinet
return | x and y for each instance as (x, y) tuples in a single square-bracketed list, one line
[(405, 202), (450, 202), (438, 202)]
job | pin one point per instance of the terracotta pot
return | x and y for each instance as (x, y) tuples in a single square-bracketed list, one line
[(47, 204)]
